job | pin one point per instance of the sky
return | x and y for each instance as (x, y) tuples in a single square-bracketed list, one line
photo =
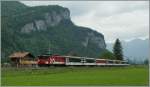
[(126, 20)]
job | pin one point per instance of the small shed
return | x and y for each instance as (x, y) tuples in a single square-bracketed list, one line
[(22, 59)]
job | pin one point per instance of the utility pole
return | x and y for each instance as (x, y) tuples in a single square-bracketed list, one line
[(49, 51), (87, 41), (86, 48)]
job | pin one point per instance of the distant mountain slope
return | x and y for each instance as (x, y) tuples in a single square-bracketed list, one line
[(135, 49), (34, 29)]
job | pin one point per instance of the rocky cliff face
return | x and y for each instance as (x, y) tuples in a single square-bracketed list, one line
[(98, 40), (50, 19), (34, 29)]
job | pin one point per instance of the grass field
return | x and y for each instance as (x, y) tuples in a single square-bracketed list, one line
[(76, 76)]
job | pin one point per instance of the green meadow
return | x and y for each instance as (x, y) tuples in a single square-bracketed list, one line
[(74, 76)]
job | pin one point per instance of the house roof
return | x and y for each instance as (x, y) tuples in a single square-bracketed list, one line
[(20, 54)]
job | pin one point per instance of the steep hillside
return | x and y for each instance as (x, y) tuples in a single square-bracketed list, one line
[(35, 29)]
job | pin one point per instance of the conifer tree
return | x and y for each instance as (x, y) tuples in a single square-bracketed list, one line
[(117, 50)]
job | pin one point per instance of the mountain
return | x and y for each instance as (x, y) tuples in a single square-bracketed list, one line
[(35, 29), (136, 49)]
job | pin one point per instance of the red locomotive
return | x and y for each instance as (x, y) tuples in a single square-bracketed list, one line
[(50, 60)]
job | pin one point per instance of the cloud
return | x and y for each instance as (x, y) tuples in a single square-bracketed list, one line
[(115, 19)]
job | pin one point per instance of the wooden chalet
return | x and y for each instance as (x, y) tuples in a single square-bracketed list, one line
[(22, 59)]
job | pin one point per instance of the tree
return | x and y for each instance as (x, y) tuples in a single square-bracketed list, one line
[(117, 50), (72, 53), (107, 55), (146, 62)]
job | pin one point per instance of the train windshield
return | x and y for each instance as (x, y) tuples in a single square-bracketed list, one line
[(43, 57)]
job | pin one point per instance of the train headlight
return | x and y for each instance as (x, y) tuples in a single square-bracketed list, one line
[(46, 62)]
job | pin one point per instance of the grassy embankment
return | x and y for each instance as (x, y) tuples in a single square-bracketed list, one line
[(76, 76)]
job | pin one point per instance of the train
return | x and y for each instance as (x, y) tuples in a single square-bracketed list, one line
[(57, 60)]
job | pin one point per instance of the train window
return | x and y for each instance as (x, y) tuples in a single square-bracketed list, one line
[(117, 62), (90, 61), (123, 62), (101, 61), (74, 60), (110, 61)]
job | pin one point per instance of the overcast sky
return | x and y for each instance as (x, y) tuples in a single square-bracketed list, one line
[(125, 20)]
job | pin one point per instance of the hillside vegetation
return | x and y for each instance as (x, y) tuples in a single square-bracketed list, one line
[(35, 29)]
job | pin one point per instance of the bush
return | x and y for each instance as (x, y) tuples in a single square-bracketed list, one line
[(107, 55)]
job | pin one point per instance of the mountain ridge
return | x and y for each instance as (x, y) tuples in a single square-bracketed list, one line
[(34, 29)]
